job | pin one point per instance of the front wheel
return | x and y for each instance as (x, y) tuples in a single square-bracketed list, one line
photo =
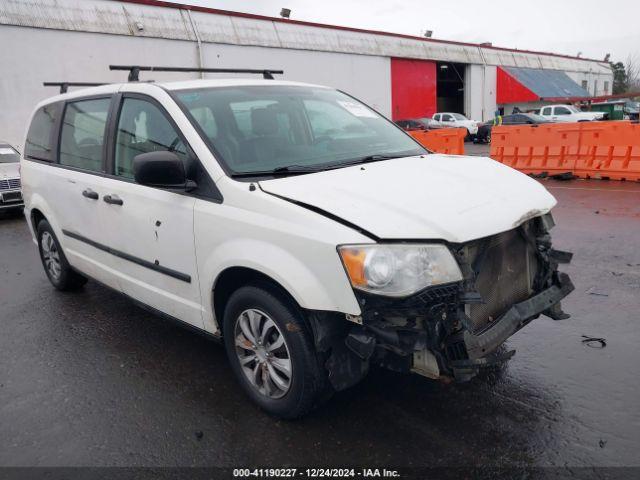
[(271, 352), (55, 264)]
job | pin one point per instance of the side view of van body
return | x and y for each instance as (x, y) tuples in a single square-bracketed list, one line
[(308, 232)]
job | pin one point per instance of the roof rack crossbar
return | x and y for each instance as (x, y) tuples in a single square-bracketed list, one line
[(64, 86), (134, 70)]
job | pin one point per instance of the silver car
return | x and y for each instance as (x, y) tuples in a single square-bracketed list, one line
[(10, 187)]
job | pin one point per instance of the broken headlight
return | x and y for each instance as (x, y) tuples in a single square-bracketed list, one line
[(398, 270)]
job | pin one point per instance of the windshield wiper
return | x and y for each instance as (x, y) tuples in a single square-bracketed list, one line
[(286, 170), (301, 169), (372, 158)]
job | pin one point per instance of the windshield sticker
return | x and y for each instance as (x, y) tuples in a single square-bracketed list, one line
[(356, 109), (190, 97), (7, 151)]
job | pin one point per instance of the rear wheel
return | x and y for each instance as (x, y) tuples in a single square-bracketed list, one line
[(271, 352), (55, 264)]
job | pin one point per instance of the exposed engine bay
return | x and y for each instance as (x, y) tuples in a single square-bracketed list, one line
[(452, 331)]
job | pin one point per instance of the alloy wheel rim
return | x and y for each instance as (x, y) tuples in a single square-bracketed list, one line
[(51, 256), (263, 353)]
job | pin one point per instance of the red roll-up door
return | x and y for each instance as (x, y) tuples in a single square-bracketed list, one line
[(413, 88)]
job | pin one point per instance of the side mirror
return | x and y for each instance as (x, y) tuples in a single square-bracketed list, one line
[(162, 169)]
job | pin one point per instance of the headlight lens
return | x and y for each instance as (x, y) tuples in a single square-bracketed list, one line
[(398, 270)]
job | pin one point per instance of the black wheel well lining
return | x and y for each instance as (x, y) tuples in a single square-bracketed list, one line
[(233, 278), (36, 217)]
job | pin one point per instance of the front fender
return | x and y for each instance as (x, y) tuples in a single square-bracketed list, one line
[(325, 288)]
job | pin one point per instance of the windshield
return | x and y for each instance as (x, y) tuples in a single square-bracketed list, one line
[(572, 109), (458, 116), (537, 118), (255, 129), (8, 154), (633, 106)]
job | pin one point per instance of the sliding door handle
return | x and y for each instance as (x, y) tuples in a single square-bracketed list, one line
[(113, 199), (90, 194)]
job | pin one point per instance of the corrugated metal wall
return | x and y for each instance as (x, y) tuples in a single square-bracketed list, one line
[(38, 55), (75, 40), (121, 18)]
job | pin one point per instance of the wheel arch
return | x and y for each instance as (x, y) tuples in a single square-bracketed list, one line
[(35, 217), (37, 209), (233, 278)]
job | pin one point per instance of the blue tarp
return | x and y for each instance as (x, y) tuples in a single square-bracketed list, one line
[(547, 83)]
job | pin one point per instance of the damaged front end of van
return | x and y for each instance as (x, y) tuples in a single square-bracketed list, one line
[(453, 329)]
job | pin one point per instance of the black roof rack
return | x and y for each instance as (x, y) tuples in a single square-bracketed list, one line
[(134, 70), (64, 86)]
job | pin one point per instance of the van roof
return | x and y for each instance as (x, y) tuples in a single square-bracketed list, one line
[(176, 85)]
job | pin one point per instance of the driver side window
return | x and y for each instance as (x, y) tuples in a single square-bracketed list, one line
[(562, 111), (143, 128)]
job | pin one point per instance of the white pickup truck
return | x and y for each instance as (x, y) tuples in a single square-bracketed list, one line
[(569, 113), (457, 120)]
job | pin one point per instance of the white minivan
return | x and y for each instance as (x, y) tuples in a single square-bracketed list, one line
[(304, 229)]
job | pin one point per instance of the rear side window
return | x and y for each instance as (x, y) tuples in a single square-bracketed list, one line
[(82, 134), (38, 144), (546, 111)]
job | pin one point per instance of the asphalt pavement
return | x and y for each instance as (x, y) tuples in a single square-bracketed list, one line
[(89, 379)]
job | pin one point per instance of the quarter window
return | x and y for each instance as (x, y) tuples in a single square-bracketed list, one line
[(38, 143), (143, 128), (82, 135)]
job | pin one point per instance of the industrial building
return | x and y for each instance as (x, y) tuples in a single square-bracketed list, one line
[(399, 75)]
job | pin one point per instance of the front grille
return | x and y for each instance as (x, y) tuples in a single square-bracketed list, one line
[(504, 268), (10, 184)]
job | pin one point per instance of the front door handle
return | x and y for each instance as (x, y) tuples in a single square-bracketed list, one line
[(113, 199), (90, 194)]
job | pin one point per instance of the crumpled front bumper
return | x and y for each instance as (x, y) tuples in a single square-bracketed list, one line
[(451, 331), (516, 318), (481, 346)]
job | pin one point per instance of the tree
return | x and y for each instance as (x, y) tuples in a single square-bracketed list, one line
[(620, 79), (633, 73)]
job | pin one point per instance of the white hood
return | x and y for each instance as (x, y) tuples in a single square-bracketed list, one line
[(452, 198), (9, 170)]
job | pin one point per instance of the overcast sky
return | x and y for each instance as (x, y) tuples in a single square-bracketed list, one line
[(593, 27)]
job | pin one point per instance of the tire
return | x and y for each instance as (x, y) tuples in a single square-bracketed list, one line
[(55, 264), (261, 308)]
